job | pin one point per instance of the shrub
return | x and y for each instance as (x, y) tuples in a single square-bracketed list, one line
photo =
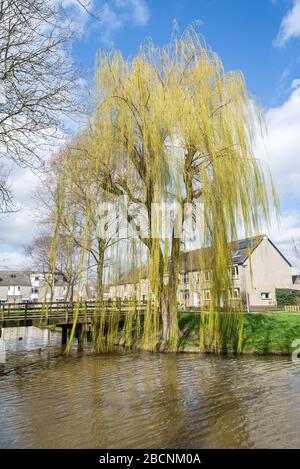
[(285, 297)]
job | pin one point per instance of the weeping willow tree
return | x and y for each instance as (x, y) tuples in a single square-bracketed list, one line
[(171, 126)]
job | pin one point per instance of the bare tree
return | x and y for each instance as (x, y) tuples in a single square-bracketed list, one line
[(66, 263), (37, 80), (6, 201)]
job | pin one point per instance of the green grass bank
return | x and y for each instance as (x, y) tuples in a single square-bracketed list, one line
[(263, 333)]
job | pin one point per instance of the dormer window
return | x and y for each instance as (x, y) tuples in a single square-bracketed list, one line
[(237, 255), (13, 276)]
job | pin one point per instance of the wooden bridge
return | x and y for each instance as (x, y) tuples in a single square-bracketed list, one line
[(62, 314), (17, 314)]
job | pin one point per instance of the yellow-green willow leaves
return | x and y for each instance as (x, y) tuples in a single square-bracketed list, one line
[(171, 125)]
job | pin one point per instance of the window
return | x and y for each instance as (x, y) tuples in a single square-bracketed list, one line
[(198, 298), (14, 290), (13, 275), (34, 290), (197, 277), (36, 279), (144, 298), (207, 275), (186, 277), (266, 295), (235, 271), (185, 294), (207, 294), (236, 293)]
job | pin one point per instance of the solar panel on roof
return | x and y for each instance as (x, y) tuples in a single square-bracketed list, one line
[(237, 254), (243, 244)]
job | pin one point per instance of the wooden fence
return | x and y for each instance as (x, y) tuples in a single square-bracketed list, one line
[(294, 308)]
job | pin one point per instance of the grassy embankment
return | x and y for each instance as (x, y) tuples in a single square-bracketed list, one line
[(264, 333)]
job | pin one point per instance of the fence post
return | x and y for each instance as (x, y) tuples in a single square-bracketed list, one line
[(25, 319)]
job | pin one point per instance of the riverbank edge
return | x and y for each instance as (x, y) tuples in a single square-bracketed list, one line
[(264, 333)]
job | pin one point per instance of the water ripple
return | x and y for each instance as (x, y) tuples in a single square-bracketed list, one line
[(146, 400)]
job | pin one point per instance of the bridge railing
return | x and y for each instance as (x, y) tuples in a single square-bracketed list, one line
[(64, 310)]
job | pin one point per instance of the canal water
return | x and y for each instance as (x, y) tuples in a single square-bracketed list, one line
[(133, 400)]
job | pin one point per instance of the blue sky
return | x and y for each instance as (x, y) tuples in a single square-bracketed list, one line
[(242, 32), (259, 37)]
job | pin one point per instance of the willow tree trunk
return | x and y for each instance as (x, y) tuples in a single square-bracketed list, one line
[(100, 265), (168, 300), (70, 290)]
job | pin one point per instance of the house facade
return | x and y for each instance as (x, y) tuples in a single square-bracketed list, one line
[(258, 269), (18, 286)]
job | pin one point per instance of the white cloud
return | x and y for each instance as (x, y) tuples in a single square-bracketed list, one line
[(107, 16), (78, 12), (17, 229), (14, 260), (282, 149), (290, 25), (296, 83), (284, 233), (281, 152), (117, 14), (287, 229), (140, 10)]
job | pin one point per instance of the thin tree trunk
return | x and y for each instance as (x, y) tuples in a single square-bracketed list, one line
[(164, 310), (100, 265)]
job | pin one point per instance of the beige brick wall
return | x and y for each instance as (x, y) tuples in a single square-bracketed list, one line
[(269, 271), (25, 292), (3, 292)]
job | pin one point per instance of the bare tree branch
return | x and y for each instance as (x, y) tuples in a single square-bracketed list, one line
[(38, 80)]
